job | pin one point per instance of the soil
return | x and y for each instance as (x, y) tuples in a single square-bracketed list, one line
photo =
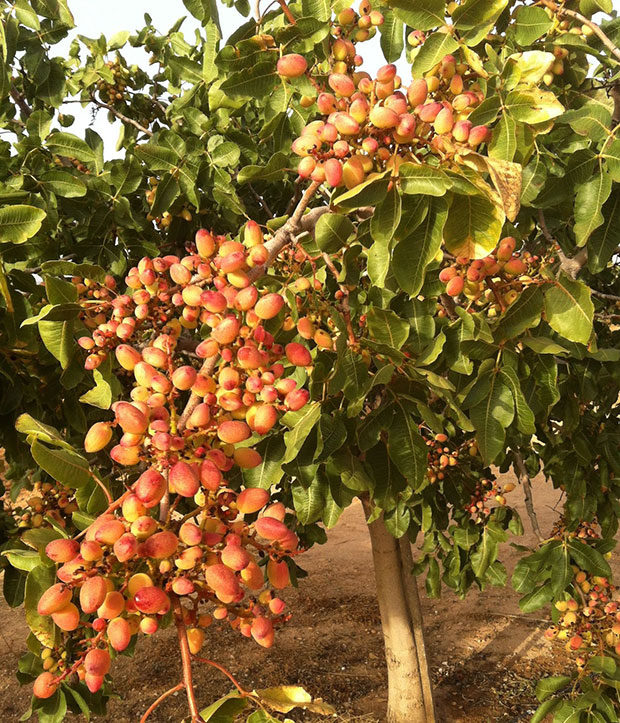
[(485, 654)]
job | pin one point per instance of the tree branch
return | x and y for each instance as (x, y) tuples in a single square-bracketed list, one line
[(289, 15), (561, 10), (207, 369), (570, 265), (123, 118), (601, 295), (185, 660), (21, 101), (291, 228), (525, 480)]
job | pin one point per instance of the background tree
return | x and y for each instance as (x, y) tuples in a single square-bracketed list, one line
[(426, 265)]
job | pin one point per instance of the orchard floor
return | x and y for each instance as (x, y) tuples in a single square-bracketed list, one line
[(485, 655)]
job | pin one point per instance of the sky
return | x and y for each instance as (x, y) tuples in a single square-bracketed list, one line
[(94, 18)]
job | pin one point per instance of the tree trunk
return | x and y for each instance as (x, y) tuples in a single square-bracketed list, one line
[(410, 697)]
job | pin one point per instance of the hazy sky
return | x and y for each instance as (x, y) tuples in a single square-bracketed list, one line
[(110, 16)]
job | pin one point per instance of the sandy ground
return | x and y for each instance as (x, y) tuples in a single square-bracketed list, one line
[(485, 655)]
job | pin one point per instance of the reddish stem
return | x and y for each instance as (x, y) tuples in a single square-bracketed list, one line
[(186, 662), (289, 15), (160, 700), (106, 491), (227, 673)]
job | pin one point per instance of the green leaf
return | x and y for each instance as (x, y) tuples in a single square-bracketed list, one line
[(157, 158), (536, 599), (386, 218), (224, 710), (70, 146), (491, 418), (67, 467), (548, 686), (593, 120), (59, 291), (533, 105), (226, 155), (369, 193), (473, 227), (186, 69), (26, 15), (589, 558), (386, 327), (64, 184), (101, 394), (309, 503), (256, 82), (524, 415), (302, 424), (58, 339), (503, 144), (525, 313), (606, 238), (273, 171), (166, 193), (589, 200), (19, 223), (319, 9), (269, 471), (24, 560), (118, 39), (332, 232), (422, 16), (474, 18), (569, 309), (435, 47), (561, 571), (412, 255), (31, 426), (544, 709), (423, 179), (54, 312), (484, 555), (406, 448), (38, 581), (392, 37), (543, 345), (530, 24), (466, 537)]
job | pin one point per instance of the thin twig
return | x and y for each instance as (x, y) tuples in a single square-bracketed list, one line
[(561, 10), (261, 201), (123, 118), (227, 673), (525, 480), (346, 308), (160, 700), (106, 491)]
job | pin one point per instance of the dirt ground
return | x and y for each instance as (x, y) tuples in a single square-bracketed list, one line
[(485, 655)]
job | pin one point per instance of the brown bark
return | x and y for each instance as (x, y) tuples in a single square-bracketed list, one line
[(415, 610), (409, 686)]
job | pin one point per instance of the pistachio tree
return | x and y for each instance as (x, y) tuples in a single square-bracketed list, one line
[(297, 284)]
